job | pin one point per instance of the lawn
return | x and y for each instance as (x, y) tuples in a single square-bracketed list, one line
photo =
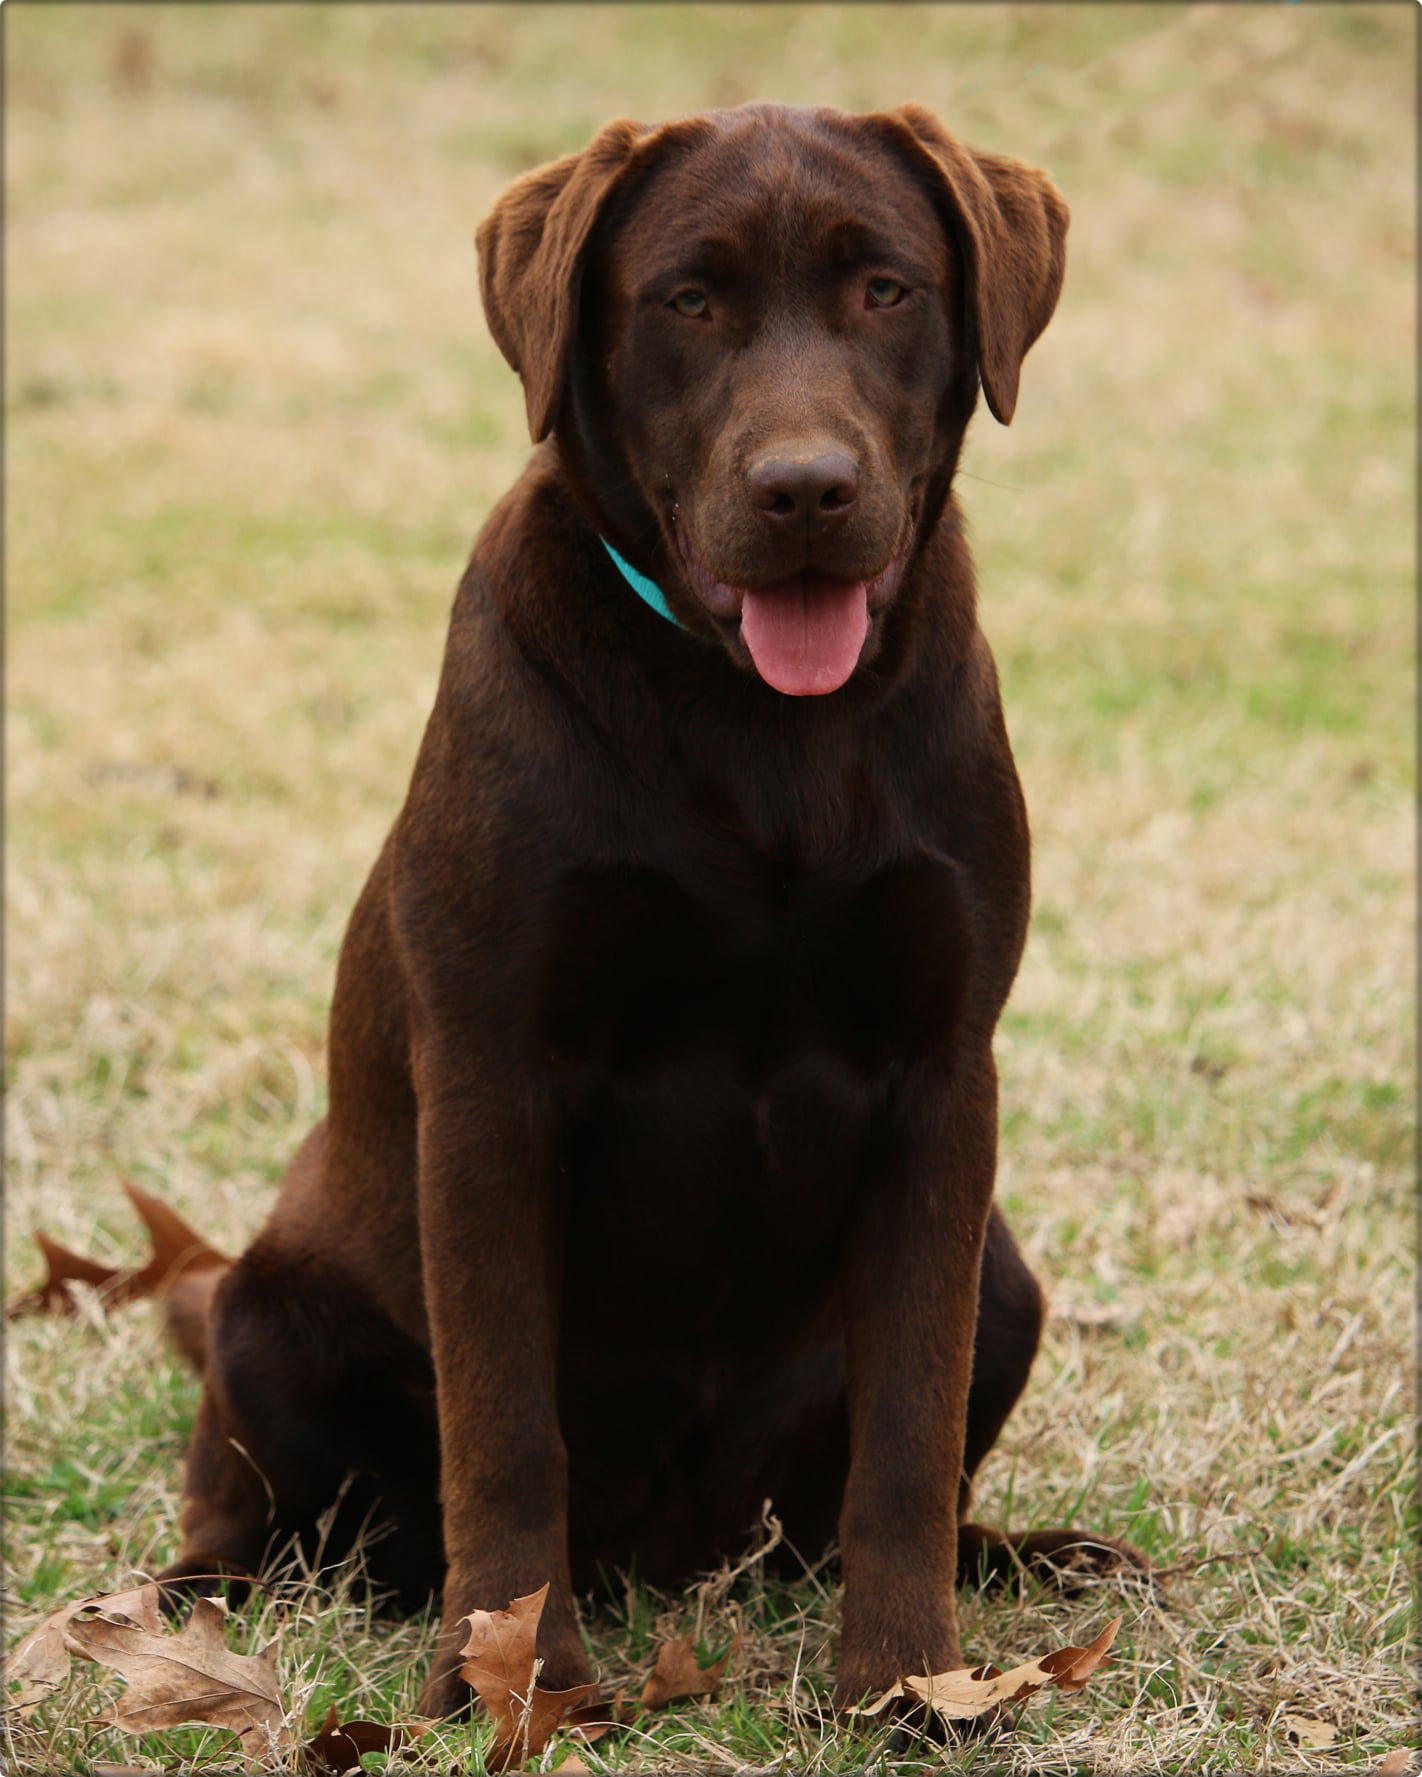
[(254, 420)]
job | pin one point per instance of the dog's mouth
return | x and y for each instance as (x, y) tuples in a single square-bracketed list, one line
[(806, 632)]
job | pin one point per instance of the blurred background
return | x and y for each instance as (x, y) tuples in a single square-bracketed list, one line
[(254, 420)]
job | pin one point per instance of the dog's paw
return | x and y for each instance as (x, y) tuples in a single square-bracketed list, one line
[(1074, 1561), (1069, 1561)]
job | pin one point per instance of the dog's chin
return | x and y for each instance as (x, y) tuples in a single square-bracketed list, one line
[(804, 634)]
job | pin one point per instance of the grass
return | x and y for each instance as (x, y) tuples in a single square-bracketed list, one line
[(254, 420)]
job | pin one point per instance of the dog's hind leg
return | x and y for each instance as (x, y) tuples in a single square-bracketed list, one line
[(317, 1421), (1010, 1316)]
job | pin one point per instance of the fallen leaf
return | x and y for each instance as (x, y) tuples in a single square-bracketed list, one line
[(1072, 1666), (500, 1658), (572, 1766), (339, 1747), (676, 1674), (1396, 1763), (188, 1675), (177, 1254), (61, 1268), (971, 1692), (590, 1721), (177, 1248), (41, 1661), (1307, 1730)]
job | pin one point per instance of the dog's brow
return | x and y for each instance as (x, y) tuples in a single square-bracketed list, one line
[(851, 237), (853, 243), (712, 256)]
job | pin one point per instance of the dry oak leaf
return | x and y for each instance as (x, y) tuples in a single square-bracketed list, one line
[(590, 1721), (676, 1673), (983, 1690), (176, 1251), (1396, 1763), (1307, 1730), (61, 1268), (189, 1675), (500, 1659), (340, 1746), (41, 1661)]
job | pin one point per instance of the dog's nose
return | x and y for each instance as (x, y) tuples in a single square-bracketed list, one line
[(810, 485)]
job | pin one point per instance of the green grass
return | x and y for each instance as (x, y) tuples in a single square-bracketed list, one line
[(253, 422)]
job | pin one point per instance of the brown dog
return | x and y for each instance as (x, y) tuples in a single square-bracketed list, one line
[(657, 1179)]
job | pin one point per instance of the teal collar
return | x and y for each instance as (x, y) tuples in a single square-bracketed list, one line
[(647, 590)]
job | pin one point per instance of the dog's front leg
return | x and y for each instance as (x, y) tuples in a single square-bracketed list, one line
[(910, 1297), (490, 1235)]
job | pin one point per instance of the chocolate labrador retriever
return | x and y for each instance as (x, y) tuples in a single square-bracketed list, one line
[(657, 1179)]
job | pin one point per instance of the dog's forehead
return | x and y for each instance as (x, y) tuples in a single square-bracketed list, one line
[(779, 180)]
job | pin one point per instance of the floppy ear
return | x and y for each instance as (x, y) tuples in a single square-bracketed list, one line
[(530, 259), (1011, 226)]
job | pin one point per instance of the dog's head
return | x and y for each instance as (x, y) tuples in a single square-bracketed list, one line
[(759, 335)]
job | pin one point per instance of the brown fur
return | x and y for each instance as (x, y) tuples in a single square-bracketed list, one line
[(657, 1177)]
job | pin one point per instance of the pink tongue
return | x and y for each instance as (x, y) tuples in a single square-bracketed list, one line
[(805, 633)]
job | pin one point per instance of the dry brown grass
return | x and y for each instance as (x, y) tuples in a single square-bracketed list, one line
[(254, 420)]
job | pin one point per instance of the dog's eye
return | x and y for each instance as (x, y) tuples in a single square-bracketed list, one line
[(692, 304), (883, 293)]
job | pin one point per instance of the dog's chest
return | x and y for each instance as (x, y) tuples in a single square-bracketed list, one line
[(737, 1034), (638, 969)]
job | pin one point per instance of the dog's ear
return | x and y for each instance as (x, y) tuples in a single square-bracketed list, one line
[(1011, 224), (531, 251)]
